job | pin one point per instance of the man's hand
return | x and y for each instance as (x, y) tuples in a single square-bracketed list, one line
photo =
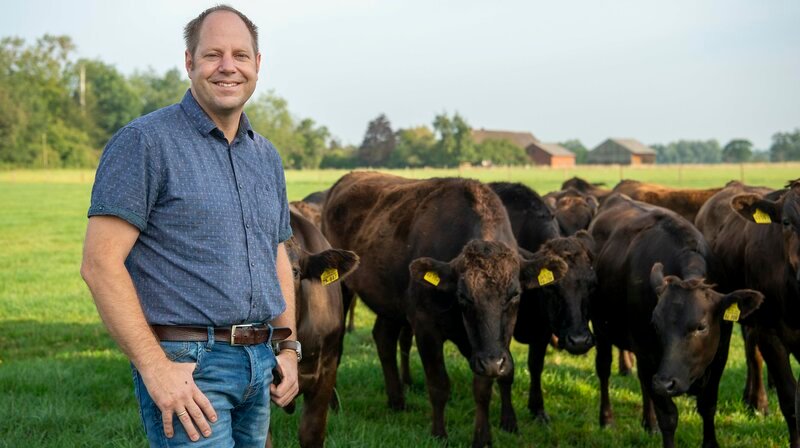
[(285, 392), (173, 390)]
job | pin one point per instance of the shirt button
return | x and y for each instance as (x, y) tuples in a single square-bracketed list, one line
[(252, 265), (247, 226), (241, 186)]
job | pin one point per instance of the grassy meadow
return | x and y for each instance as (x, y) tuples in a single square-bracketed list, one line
[(63, 382)]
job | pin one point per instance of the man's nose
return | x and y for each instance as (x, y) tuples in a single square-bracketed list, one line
[(227, 63)]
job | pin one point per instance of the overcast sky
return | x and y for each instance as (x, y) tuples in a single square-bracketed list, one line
[(656, 71)]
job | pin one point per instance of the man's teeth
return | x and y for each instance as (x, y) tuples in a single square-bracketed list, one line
[(227, 84)]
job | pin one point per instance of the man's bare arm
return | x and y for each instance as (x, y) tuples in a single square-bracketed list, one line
[(108, 242), (285, 392)]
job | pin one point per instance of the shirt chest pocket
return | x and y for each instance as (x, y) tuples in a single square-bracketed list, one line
[(267, 209)]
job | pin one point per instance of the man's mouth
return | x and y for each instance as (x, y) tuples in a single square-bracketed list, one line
[(226, 84)]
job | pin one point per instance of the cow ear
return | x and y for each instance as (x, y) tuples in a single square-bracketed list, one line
[(746, 300), (657, 281), (329, 265), (586, 240), (541, 270), (755, 208), (551, 203), (593, 204), (433, 274)]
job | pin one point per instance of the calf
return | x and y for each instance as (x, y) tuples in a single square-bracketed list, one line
[(652, 299), (320, 320), (573, 209), (755, 233), (560, 309), (438, 254)]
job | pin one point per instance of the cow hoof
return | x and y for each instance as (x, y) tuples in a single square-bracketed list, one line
[(650, 427), (509, 425), (541, 417)]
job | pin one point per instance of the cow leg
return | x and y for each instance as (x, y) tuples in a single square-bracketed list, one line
[(625, 362), (602, 363), (777, 359), (649, 422), (508, 417), (386, 332), (536, 353), (314, 421), (351, 312), (667, 414), (406, 335), (707, 408), (431, 351), (754, 394), (482, 391)]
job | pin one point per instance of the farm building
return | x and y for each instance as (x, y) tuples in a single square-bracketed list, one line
[(623, 151), (540, 153)]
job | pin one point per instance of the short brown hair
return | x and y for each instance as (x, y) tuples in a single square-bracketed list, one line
[(191, 33)]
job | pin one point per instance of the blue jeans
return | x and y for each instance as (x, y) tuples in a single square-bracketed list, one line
[(236, 381)]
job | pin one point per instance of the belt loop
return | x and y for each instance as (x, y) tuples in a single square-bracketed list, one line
[(269, 341), (211, 340)]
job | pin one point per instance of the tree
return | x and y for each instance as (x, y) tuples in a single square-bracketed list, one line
[(737, 151), (502, 152), (312, 144), (413, 149), (155, 92), (379, 142), (110, 101), (785, 146), (688, 151), (455, 145), (580, 151)]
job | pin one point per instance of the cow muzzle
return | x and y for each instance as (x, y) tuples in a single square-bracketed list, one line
[(578, 344), (492, 366), (668, 386)]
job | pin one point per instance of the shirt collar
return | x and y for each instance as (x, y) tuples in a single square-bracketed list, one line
[(203, 123)]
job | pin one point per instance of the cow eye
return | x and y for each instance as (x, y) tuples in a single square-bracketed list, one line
[(295, 272), (786, 222), (702, 328)]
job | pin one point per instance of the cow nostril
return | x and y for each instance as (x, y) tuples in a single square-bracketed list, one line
[(671, 386)]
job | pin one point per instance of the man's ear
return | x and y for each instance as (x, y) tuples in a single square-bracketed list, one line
[(187, 58), (258, 62), (541, 270), (329, 265), (433, 274), (755, 208), (747, 300)]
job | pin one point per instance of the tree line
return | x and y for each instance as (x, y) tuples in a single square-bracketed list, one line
[(59, 111)]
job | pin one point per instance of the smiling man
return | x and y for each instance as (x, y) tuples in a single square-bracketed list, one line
[(184, 251)]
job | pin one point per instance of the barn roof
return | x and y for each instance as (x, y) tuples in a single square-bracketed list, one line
[(634, 146), (521, 139), (554, 149)]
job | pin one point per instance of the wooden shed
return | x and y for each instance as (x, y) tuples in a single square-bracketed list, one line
[(539, 153), (623, 151), (551, 154)]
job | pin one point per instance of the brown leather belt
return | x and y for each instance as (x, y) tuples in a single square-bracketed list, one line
[(245, 334)]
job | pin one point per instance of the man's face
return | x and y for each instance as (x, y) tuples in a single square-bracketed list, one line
[(224, 66)]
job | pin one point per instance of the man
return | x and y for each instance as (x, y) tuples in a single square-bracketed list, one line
[(185, 243)]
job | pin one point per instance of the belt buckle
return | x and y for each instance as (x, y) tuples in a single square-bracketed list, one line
[(233, 332)]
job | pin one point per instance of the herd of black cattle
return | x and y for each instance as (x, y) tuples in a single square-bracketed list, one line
[(662, 273)]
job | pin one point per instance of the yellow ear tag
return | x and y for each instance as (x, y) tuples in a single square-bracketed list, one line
[(329, 276), (545, 277), (732, 313), (761, 217), (432, 278)]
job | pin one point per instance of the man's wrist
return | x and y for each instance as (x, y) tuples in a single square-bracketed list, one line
[(289, 346)]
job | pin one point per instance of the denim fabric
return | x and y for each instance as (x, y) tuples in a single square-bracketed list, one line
[(236, 381), (210, 215)]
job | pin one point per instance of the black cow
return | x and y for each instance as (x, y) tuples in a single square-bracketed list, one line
[(574, 209), (755, 233), (652, 299), (561, 309), (438, 254)]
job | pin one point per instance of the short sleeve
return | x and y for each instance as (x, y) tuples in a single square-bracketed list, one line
[(284, 226), (126, 184)]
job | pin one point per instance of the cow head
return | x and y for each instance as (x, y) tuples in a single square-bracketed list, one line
[(574, 210), (487, 279), (567, 302), (321, 268), (688, 319), (784, 212)]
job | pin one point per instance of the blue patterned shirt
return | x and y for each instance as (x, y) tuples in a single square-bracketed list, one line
[(210, 216)]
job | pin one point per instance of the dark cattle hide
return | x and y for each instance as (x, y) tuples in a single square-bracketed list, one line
[(574, 210), (320, 321), (685, 201), (438, 254), (310, 211), (755, 233), (560, 309), (652, 299), (594, 189)]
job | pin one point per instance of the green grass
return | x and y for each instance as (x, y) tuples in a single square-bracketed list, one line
[(63, 382)]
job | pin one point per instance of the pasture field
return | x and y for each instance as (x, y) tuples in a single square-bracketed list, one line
[(63, 382)]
